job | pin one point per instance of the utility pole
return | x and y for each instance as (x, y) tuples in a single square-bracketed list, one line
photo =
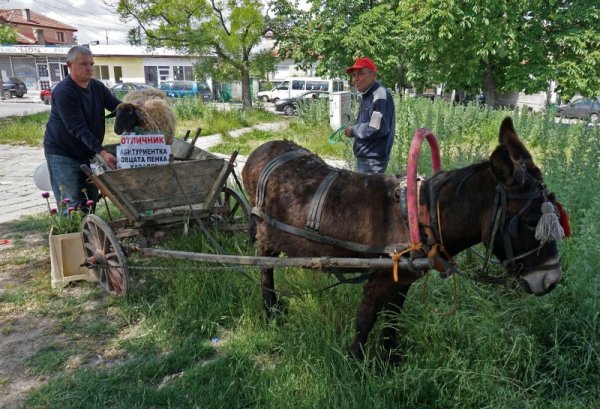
[(106, 31)]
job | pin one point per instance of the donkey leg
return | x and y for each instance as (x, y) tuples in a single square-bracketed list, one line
[(374, 294), (268, 291), (389, 334)]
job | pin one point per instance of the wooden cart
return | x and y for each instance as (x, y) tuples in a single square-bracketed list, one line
[(155, 200)]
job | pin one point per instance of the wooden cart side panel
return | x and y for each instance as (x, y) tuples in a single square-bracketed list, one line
[(156, 187), (112, 193)]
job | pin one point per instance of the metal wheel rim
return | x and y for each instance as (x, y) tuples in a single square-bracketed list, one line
[(289, 110), (103, 250), (230, 203)]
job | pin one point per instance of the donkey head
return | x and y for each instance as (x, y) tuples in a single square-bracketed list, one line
[(525, 222)]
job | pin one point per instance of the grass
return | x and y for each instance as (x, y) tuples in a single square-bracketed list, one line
[(191, 114), (193, 335)]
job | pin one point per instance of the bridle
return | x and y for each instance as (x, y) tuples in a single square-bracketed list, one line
[(507, 227)]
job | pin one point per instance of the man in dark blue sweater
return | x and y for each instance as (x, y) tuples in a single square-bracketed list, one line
[(75, 129), (376, 123)]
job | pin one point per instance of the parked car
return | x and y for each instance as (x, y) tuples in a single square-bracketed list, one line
[(429, 95), (46, 94), (119, 90), (289, 106), (14, 87), (179, 89), (583, 108)]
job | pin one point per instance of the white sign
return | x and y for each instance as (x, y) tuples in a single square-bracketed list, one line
[(136, 151)]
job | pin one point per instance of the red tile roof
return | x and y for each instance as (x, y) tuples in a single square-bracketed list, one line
[(15, 16)]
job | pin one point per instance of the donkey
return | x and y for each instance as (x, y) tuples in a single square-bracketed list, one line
[(497, 202)]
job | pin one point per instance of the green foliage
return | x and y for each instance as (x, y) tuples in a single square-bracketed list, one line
[(8, 35), (26, 129), (231, 30), (469, 45)]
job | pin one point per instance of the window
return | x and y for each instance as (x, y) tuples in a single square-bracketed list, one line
[(312, 85), (118, 73), (101, 72), (163, 73), (60, 36), (323, 86), (284, 85), (188, 72), (297, 84), (178, 72)]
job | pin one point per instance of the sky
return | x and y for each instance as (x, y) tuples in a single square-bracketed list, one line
[(92, 18)]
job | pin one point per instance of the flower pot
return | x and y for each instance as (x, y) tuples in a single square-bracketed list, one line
[(66, 257)]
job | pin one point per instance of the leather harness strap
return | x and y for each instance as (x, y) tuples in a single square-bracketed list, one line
[(269, 168), (310, 232), (319, 238), (315, 210)]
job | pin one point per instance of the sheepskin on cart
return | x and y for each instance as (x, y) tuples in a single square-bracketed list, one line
[(190, 190)]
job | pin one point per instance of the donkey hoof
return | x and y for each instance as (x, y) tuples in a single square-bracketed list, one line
[(276, 312), (357, 353)]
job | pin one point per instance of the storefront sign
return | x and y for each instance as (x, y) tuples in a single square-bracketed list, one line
[(32, 49), (142, 150)]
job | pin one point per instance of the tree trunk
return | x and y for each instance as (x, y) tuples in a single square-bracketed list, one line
[(489, 86), (246, 97)]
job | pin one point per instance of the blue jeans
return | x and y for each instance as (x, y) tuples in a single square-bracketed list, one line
[(69, 181), (370, 166)]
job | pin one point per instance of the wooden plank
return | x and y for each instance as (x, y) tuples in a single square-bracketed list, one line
[(112, 194), (190, 150), (306, 262), (219, 182), (176, 183)]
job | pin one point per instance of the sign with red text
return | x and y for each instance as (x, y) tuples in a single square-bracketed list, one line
[(136, 151)]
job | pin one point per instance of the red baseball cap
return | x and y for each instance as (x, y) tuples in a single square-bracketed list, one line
[(362, 62)]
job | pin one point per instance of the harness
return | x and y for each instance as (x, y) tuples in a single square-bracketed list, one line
[(315, 209), (423, 216)]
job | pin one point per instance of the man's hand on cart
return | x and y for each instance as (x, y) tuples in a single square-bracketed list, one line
[(109, 159)]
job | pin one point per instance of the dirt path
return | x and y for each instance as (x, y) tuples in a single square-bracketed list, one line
[(21, 332)]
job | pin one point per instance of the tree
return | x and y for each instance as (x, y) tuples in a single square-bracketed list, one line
[(505, 45), (8, 35), (336, 32), (228, 30)]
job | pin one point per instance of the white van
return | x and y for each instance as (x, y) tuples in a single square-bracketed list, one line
[(294, 86)]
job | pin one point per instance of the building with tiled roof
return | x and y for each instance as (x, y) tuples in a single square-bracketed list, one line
[(35, 28)]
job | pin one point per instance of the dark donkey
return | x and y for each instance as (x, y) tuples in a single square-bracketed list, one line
[(363, 210)]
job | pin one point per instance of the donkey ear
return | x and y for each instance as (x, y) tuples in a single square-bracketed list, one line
[(506, 171), (508, 136), (112, 114)]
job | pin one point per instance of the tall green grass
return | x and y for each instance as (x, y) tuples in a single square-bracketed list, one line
[(27, 130), (192, 113), (203, 328)]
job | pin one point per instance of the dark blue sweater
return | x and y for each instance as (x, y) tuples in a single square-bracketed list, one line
[(375, 126), (76, 125)]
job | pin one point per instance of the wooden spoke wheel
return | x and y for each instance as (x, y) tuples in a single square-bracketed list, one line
[(104, 254), (232, 212)]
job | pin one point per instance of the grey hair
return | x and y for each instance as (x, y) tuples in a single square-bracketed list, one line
[(76, 50)]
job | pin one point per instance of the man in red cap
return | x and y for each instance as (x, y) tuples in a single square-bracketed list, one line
[(376, 123)]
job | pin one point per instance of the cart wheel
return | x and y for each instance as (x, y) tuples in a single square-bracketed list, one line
[(232, 210), (103, 251)]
